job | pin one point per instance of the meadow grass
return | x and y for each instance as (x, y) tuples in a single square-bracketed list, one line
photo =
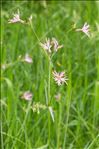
[(75, 123)]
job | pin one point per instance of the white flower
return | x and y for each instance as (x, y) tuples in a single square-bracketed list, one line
[(16, 18), (27, 95), (85, 29), (60, 78)]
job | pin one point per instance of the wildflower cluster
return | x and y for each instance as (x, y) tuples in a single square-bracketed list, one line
[(51, 45)]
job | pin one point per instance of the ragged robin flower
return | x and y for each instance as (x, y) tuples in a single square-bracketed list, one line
[(46, 46), (60, 77), (85, 29), (28, 59), (58, 97), (16, 18), (56, 45), (51, 45), (27, 96)]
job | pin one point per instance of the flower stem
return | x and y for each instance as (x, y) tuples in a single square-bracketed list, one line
[(68, 103), (34, 31), (59, 126), (49, 81), (49, 73)]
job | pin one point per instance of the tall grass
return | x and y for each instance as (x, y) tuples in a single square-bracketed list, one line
[(76, 115)]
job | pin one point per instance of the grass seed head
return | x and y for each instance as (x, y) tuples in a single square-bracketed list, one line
[(37, 107)]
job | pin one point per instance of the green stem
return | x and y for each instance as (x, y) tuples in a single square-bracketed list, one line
[(68, 113), (34, 31), (92, 143), (65, 137), (49, 72), (49, 81), (2, 145), (59, 125)]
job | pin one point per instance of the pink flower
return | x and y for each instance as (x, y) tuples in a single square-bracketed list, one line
[(56, 45), (85, 29), (60, 78), (28, 59), (51, 45), (47, 45), (16, 18), (27, 95), (58, 97)]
